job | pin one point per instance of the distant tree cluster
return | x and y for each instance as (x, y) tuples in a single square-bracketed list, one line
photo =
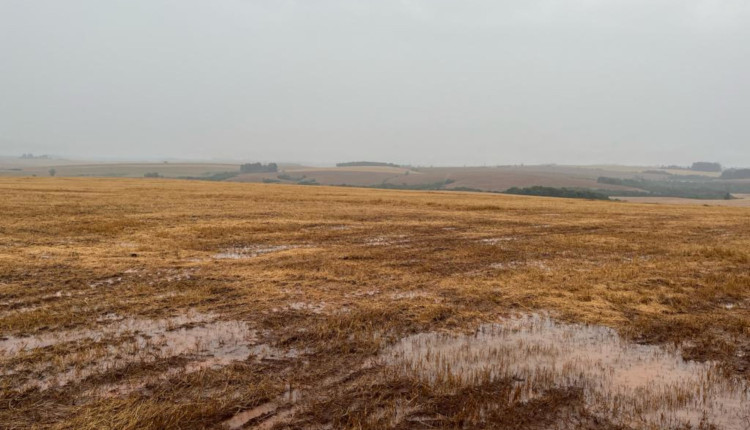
[(152, 175), (557, 192), (439, 185), (259, 167), (288, 177), (706, 166), (366, 163), (218, 176), (736, 174), (30, 156), (657, 172)]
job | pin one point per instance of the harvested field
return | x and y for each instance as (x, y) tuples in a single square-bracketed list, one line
[(135, 303), (740, 200), (121, 170)]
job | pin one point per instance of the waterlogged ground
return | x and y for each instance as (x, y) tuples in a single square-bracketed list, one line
[(260, 306), (640, 385), (119, 342)]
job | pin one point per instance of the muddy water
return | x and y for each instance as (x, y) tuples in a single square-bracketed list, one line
[(115, 326), (631, 384), (250, 251), (267, 415), (206, 342)]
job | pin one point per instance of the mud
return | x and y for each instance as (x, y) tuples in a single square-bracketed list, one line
[(267, 415)]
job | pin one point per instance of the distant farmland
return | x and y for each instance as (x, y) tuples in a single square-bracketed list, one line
[(118, 170), (622, 182), (480, 178)]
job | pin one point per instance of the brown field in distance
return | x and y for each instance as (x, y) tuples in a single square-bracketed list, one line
[(135, 303), (740, 200), (482, 178), (495, 178), (125, 170)]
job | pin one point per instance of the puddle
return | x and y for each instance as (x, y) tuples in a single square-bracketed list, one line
[(268, 414), (408, 295), (360, 294), (340, 227), (240, 419), (400, 239), (153, 277), (237, 253), (219, 359), (496, 240), (266, 352), (117, 326), (640, 385), (121, 341), (517, 264), (106, 282), (315, 308)]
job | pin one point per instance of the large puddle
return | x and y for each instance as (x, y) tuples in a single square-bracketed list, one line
[(631, 384), (200, 338)]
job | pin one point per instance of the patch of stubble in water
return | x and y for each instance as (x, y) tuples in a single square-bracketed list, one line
[(628, 383)]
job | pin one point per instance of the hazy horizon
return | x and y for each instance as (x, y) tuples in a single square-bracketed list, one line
[(330, 163), (422, 82)]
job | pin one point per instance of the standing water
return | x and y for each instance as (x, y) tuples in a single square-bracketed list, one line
[(630, 384)]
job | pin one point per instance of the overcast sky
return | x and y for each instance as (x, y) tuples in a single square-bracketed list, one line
[(412, 81)]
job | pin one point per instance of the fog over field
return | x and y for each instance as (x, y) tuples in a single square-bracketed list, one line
[(421, 81)]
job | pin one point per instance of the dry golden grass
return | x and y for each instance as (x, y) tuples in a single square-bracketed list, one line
[(328, 277)]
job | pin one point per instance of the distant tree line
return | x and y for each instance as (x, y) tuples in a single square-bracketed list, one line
[(366, 163), (439, 185), (706, 166), (258, 167), (300, 180), (288, 177), (557, 192), (32, 156), (704, 188), (657, 172), (736, 174), (219, 176), (698, 166)]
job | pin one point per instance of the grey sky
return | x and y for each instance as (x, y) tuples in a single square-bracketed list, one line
[(413, 81)]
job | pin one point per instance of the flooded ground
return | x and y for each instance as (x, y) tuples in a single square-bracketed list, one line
[(120, 341), (638, 385)]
